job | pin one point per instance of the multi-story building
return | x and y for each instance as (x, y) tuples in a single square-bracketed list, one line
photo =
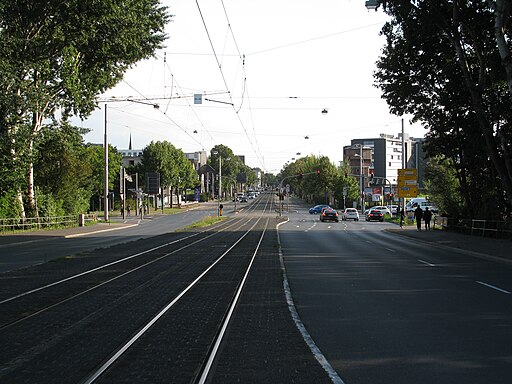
[(381, 158)]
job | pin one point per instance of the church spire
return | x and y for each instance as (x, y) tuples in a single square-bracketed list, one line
[(130, 145)]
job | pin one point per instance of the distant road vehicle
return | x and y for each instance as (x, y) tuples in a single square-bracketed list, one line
[(384, 210), (329, 214), (421, 202), (317, 208), (374, 215), (350, 214), (393, 209)]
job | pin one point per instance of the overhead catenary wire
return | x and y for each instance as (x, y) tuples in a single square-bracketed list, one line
[(258, 155)]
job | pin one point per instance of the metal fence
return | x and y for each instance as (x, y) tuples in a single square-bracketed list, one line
[(485, 228), (34, 223)]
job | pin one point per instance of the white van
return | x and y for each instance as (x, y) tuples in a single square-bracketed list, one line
[(422, 203)]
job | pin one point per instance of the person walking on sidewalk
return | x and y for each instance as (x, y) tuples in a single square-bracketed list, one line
[(402, 218), (418, 214), (427, 216)]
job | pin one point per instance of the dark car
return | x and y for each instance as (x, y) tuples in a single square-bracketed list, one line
[(329, 214), (374, 215), (318, 208)]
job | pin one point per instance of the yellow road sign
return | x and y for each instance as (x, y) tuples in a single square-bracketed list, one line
[(404, 182), (408, 191), (408, 172)]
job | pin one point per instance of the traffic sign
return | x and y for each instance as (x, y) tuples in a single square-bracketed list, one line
[(408, 191), (408, 172), (402, 182)]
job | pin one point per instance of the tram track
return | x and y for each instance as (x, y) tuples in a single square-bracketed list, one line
[(130, 308), (22, 305)]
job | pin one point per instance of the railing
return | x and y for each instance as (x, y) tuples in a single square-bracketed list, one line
[(484, 228), (34, 223)]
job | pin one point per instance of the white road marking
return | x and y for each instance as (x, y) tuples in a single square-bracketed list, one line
[(426, 263), (390, 249), (493, 287)]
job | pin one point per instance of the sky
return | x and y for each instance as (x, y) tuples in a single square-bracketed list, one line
[(265, 69)]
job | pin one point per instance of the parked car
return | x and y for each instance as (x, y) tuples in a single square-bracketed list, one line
[(350, 214), (374, 215), (317, 208), (329, 214), (393, 209)]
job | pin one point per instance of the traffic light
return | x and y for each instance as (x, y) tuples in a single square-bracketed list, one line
[(318, 172), (371, 176), (346, 174)]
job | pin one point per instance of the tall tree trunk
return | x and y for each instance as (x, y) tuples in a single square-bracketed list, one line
[(37, 123), (14, 156), (476, 98), (501, 10)]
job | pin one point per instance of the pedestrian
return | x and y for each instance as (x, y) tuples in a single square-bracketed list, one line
[(427, 216), (402, 218), (418, 214), (128, 209)]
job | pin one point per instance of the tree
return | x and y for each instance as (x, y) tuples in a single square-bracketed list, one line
[(441, 65), (319, 177), (231, 164), (175, 170), (443, 186), (269, 179), (61, 169), (57, 56)]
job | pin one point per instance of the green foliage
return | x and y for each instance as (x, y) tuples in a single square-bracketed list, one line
[(441, 64), (443, 187), (172, 164), (269, 179), (9, 207), (48, 205), (57, 56), (312, 186)]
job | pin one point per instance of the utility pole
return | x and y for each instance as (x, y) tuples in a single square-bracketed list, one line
[(105, 147)]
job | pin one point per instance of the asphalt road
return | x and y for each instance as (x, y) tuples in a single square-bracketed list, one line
[(386, 309)]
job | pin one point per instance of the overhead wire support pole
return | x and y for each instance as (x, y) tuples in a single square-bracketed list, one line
[(105, 186)]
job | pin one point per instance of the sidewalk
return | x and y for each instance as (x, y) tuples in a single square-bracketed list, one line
[(473, 245)]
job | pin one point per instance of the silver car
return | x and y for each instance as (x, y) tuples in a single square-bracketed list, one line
[(350, 214)]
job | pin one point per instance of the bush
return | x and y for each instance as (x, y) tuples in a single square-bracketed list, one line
[(9, 207)]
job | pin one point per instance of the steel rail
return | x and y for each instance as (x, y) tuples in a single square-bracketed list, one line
[(116, 262), (91, 378), (227, 319)]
